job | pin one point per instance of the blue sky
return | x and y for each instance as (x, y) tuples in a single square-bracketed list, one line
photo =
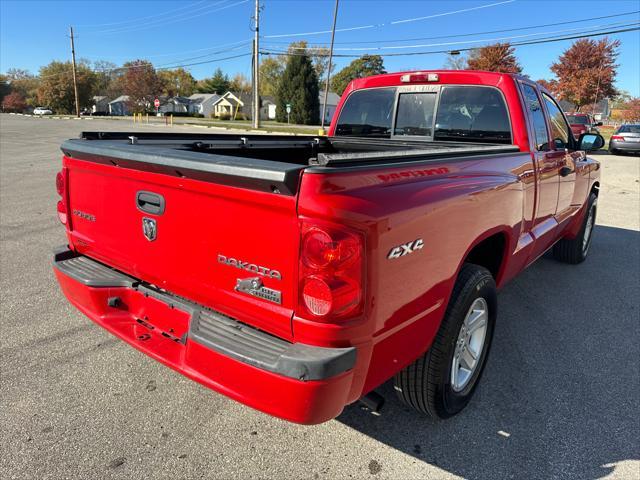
[(173, 32)]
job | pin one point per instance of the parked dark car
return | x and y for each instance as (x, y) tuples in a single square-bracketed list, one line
[(582, 123), (625, 139)]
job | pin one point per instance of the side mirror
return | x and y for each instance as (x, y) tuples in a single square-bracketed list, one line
[(590, 141)]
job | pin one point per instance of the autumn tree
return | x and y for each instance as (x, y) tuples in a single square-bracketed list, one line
[(587, 70), (141, 83), (56, 86), (14, 102), (177, 82), (364, 66), (631, 110), (551, 85), (5, 86), (105, 76), (218, 83), (499, 57), (299, 88), (271, 70), (25, 83), (240, 84)]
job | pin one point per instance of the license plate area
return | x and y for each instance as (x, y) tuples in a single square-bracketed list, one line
[(160, 317)]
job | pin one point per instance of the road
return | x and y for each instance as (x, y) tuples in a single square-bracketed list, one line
[(559, 399)]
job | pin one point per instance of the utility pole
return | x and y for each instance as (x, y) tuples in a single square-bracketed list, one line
[(73, 61), (256, 68), (326, 87)]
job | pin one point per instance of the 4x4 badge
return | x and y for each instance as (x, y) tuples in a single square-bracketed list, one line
[(149, 228)]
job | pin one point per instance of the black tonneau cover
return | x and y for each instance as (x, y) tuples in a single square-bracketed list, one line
[(270, 163)]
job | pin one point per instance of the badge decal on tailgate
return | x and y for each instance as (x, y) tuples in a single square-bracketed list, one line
[(149, 228), (254, 287)]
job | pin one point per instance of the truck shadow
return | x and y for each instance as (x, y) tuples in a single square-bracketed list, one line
[(559, 396)]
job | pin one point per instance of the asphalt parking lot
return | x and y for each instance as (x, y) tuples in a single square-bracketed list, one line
[(559, 398)]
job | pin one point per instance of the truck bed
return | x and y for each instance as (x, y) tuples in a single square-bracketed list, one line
[(270, 163)]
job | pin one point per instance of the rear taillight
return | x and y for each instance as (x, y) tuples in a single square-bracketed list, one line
[(331, 272), (61, 188), (617, 138)]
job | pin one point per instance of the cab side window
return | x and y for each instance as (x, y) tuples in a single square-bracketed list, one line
[(537, 117), (559, 128)]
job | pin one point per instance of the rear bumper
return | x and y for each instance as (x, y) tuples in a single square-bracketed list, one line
[(296, 382)]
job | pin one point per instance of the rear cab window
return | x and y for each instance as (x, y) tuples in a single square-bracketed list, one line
[(470, 113)]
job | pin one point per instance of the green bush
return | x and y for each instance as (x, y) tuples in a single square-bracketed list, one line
[(224, 116)]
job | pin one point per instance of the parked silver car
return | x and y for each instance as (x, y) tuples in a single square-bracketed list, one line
[(625, 139)]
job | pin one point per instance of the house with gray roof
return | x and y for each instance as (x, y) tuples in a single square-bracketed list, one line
[(100, 104), (202, 103), (118, 106)]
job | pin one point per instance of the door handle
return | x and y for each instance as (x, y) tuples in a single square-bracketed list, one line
[(150, 202), (564, 171)]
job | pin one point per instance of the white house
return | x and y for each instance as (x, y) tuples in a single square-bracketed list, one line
[(202, 103), (118, 106), (231, 104), (332, 103)]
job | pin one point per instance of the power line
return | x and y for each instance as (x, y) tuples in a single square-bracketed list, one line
[(399, 47), (363, 27), (478, 33), (515, 44), (184, 7), (416, 19), (164, 22), (148, 64), (243, 45), (230, 44)]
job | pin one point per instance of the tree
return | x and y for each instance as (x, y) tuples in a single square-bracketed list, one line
[(587, 70), (25, 83), (240, 84), (631, 110), (14, 102), (271, 70), (219, 83), (621, 99), (361, 67), (551, 85), (5, 86), (177, 82), (455, 62), (56, 86), (299, 88), (105, 74), (18, 74), (141, 83), (498, 57)]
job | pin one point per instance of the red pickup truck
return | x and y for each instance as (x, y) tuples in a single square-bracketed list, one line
[(296, 274)]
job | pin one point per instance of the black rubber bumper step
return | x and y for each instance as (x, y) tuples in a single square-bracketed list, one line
[(217, 331)]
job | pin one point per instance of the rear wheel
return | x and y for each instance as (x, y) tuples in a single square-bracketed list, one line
[(441, 382), (575, 250)]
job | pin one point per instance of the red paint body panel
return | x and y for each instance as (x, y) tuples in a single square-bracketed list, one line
[(308, 402), (452, 204)]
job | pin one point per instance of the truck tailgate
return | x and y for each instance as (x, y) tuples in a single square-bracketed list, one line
[(195, 238)]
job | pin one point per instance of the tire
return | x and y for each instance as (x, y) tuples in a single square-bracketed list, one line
[(426, 385), (613, 151), (574, 251)]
